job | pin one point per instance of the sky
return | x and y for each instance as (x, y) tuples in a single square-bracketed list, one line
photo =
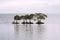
[(30, 6)]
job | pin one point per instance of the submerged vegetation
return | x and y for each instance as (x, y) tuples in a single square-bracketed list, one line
[(28, 17)]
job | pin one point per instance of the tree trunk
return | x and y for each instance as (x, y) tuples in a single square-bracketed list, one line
[(16, 20), (29, 20), (23, 20), (39, 20), (26, 20)]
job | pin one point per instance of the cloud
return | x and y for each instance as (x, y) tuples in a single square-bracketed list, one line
[(22, 3), (54, 2), (21, 6), (18, 6)]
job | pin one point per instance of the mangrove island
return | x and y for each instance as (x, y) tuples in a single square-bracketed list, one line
[(29, 17)]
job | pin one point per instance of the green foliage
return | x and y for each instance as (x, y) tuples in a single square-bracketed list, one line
[(17, 17), (27, 16), (40, 16), (30, 16), (22, 17)]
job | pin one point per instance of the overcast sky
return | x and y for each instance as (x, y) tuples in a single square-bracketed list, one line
[(29, 6)]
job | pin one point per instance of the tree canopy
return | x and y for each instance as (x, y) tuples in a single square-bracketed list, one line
[(31, 16)]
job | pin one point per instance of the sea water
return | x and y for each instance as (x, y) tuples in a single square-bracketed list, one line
[(48, 31)]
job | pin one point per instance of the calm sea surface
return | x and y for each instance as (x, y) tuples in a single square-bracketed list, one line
[(48, 31)]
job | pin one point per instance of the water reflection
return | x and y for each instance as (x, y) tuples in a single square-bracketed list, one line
[(28, 32), (40, 31), (16, 28), (16, 31), (40, 28), (29, 28)]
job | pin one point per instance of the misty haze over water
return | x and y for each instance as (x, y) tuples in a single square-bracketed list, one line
[(48, 31)]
